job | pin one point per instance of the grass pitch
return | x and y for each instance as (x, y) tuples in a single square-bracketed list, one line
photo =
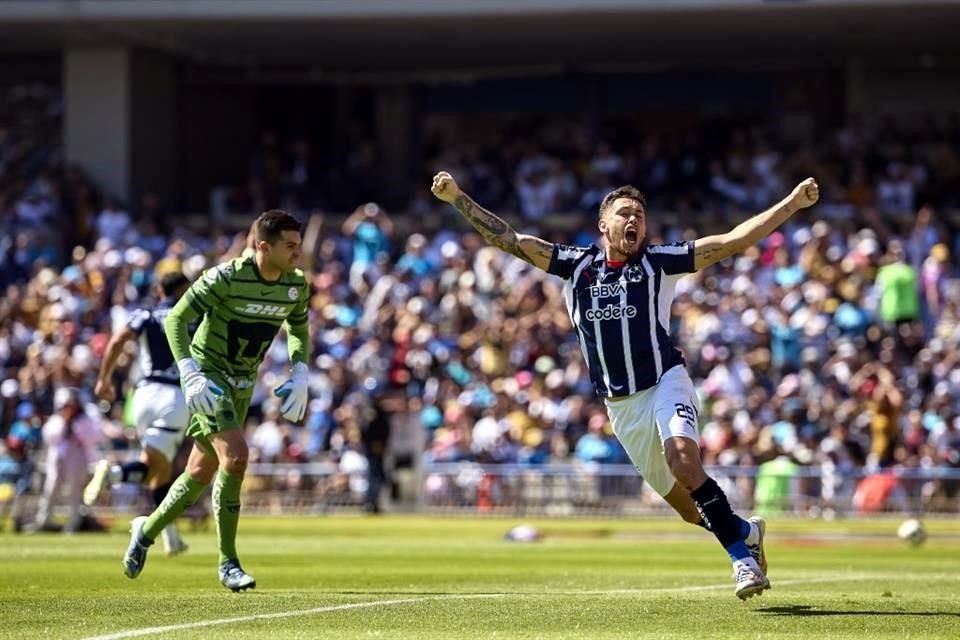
[(411, 577)]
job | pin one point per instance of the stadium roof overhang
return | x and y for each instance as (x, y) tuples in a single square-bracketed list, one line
[(340, 40)]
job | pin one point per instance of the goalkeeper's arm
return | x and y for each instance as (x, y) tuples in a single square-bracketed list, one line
[(176, 326), (294, 391), (298, 343), (297, 328), (209, 290)]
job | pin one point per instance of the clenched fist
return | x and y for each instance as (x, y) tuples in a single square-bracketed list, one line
[(805, 194), (445, 187), (104, 391)]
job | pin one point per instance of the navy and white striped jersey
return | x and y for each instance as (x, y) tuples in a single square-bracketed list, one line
[(156, 360), (621, 312)]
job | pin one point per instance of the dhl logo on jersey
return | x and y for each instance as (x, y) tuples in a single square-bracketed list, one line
[(257, 309)]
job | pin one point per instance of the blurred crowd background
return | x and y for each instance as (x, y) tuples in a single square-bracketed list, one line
[(832, 343)]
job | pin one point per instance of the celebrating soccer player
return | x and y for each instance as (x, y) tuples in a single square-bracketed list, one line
[(243, 303), (619, 298)]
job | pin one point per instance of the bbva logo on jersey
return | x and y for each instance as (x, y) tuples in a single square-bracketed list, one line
[(606, 290), (255, 308)]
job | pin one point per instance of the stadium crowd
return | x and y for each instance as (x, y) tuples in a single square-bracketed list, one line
[(834, 342)]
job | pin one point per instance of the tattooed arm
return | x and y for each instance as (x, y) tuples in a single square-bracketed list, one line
[(493, 229), (713, 249)]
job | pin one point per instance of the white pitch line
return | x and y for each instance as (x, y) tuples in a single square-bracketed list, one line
[(147, 631)]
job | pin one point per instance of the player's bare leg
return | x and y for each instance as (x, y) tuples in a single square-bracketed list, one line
[(679, 498), (232, 452), (743, 540)]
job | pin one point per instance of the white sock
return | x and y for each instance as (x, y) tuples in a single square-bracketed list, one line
[(171, 537), (753, 538)]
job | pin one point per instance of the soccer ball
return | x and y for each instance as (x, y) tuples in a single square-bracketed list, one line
[(523, 533), (912, 532)]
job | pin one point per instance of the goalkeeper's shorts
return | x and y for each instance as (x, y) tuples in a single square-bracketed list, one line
[(230, 413)]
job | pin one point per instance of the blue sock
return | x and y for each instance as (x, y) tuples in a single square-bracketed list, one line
[(738, 550)]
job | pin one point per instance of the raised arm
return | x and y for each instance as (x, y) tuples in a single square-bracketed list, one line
[(493, 229), (353, 221), (713, 249)]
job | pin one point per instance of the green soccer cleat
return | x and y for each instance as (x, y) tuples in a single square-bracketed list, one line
[(136, 555), (233, 577)]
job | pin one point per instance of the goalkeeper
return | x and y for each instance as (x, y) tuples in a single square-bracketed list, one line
[(243, 303)]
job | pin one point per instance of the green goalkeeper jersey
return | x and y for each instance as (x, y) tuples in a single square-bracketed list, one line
[(242, 314)]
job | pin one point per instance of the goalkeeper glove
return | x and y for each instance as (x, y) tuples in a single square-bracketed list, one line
[(294, 394), (201, 393)]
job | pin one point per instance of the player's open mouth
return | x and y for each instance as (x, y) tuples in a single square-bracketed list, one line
[(630, 235)]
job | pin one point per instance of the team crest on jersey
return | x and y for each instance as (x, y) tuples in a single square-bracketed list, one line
[(211, 275), (293, 294), (634, 273)]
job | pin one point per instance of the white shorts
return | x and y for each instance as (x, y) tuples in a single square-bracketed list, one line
[(643, 422), (161, 416)]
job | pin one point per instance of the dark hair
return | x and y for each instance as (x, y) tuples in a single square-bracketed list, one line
[(271, 224), (171, 283), (626, 191)]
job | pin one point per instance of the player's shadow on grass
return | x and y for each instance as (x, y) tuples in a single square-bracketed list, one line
[(809, 610)]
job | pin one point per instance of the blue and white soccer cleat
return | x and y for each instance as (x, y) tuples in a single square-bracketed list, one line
[(136, 555), (756, 548), (750, 580), (233, 577)]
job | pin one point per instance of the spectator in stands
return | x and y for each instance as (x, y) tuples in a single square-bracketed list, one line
[(595, 445), (538, 188), (375, 435), (371, 230), (113, 223), (299, 175), (777, 487), (16, 477), (811, 302), (70, 436), (899, 289)]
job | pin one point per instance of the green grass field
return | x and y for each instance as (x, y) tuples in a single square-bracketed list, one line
[(399, 577)]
